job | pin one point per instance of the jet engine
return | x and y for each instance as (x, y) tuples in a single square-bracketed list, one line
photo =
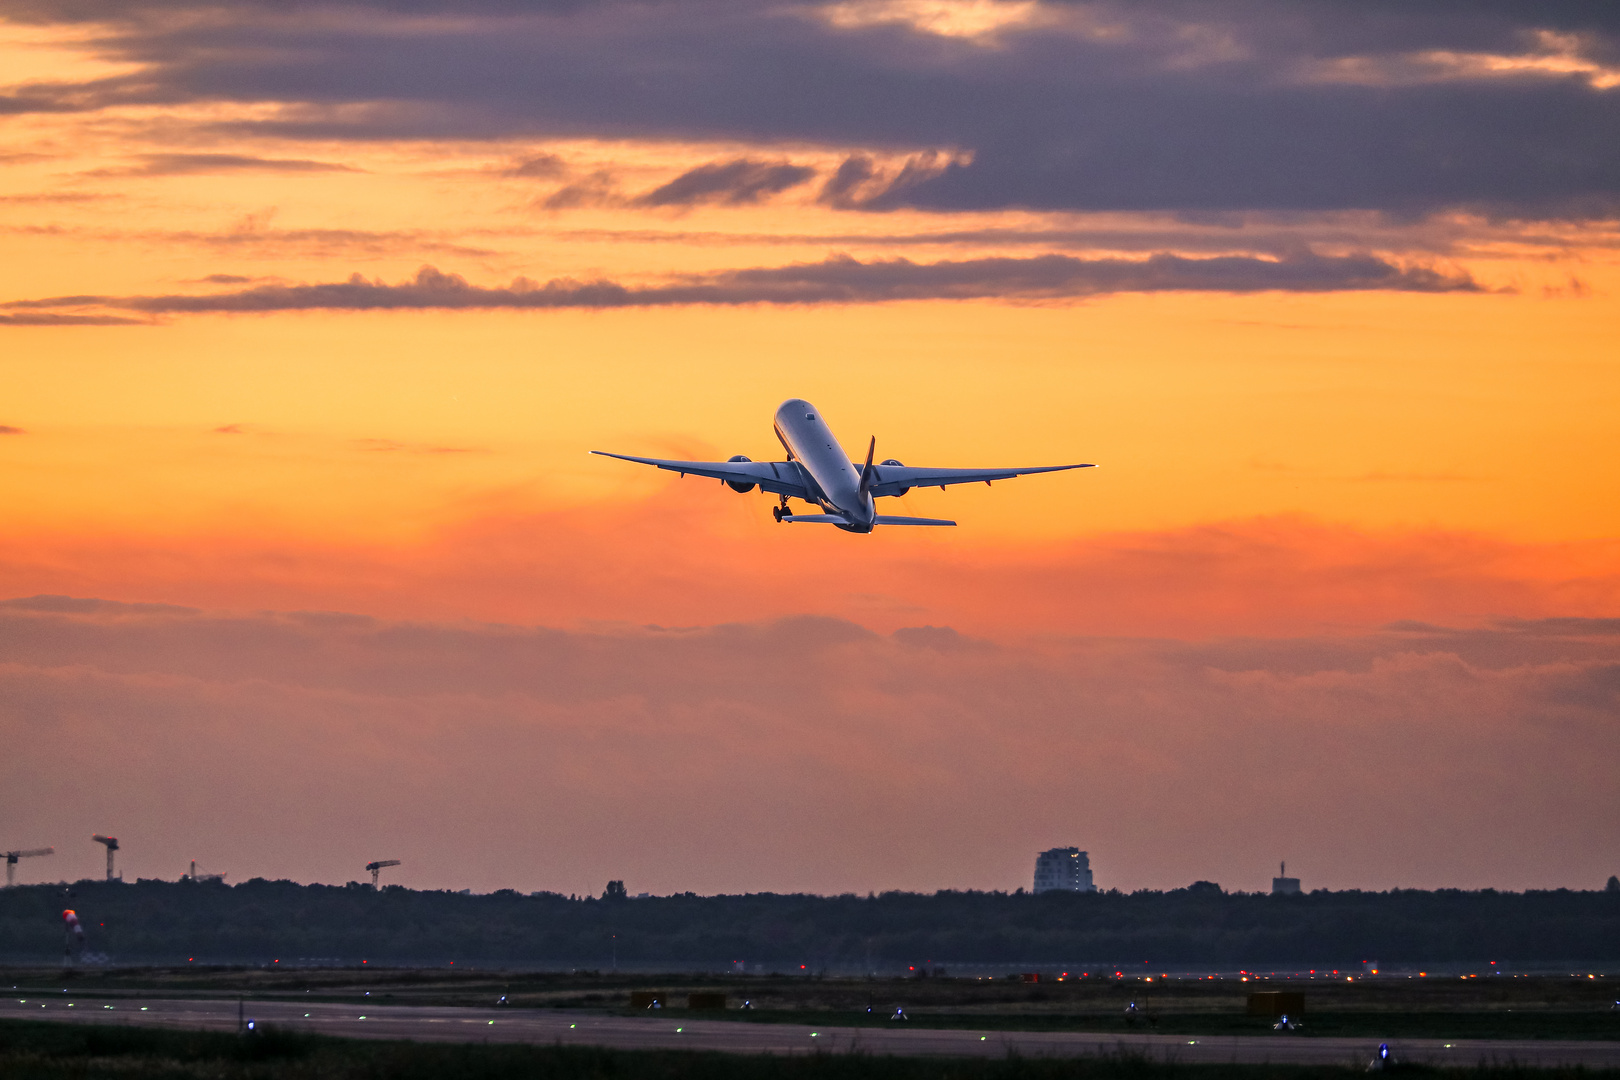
[(735, 485), (901, 464)]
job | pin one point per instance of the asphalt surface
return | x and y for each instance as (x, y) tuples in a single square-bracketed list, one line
[(674, 1030)]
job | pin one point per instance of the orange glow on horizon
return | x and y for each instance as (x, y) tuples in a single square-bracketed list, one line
[(300, 391)]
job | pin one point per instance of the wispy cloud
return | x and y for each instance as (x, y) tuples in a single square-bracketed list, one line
[(599, 188), (250, 236), (51, 318), (188, 164), (54, 197), (837, 280), (733, 182), (541, 166)]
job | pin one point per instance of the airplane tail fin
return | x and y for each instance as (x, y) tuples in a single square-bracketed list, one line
[(867, 475)]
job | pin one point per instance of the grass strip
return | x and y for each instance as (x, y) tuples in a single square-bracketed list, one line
[(40, 1050), (1380, 1025)]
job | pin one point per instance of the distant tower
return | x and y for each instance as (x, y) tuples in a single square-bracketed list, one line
[(1282, 884), (111, 843), (1063, 869)]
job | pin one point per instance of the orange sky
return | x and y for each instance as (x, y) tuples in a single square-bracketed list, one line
[(1283, 464)]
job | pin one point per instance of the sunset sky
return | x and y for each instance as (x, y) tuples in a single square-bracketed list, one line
[(310, 314)]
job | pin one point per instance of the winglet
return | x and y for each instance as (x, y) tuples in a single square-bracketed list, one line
[(867, 475)]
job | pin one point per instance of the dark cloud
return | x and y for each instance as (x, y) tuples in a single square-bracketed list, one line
[(1269, 234), (186, 164), (542, 166), (7, 429), (944, 639), (55, 197), (51, 318), (733, 182), (1564, 627), (859, 185), (837, 280), (852, 174), (57, 99), (597, 189), (1265, 104)]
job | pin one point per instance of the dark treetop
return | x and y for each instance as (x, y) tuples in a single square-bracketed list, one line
[(260, 921)]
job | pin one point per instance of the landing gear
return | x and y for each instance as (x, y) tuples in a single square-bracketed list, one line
[(780, 512)]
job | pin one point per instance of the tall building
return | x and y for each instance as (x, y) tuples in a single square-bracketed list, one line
[(1063, 868), (1283, 885)]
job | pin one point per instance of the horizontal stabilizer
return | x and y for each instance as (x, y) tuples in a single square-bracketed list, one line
[(885, 519)]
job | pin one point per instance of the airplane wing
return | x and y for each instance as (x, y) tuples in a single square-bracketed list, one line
[(881, 519), (777, 477), (897, 479)]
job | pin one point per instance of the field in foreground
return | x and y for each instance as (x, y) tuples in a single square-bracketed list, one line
[(1500, 1007), (47, 1051)]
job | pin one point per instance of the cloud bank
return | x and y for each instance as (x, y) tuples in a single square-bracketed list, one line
[(189, 164), (836, 280), (497, 755), (680, 558), (1266, 105)]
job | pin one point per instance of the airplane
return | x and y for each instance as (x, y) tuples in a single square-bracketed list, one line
[(819, 472)]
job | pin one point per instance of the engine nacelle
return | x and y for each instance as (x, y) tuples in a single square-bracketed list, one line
[(739, 488), (891, 461)]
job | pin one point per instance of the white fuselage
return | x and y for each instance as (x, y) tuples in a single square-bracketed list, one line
[(836, 481)]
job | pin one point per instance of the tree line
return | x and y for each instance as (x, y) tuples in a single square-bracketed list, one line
[(261, 921)]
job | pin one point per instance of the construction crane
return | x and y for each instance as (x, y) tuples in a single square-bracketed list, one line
[(376, 869), (112, 846), (195, 876), (13, 856)]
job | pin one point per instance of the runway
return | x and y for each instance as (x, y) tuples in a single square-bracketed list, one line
[(676, 1031)]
